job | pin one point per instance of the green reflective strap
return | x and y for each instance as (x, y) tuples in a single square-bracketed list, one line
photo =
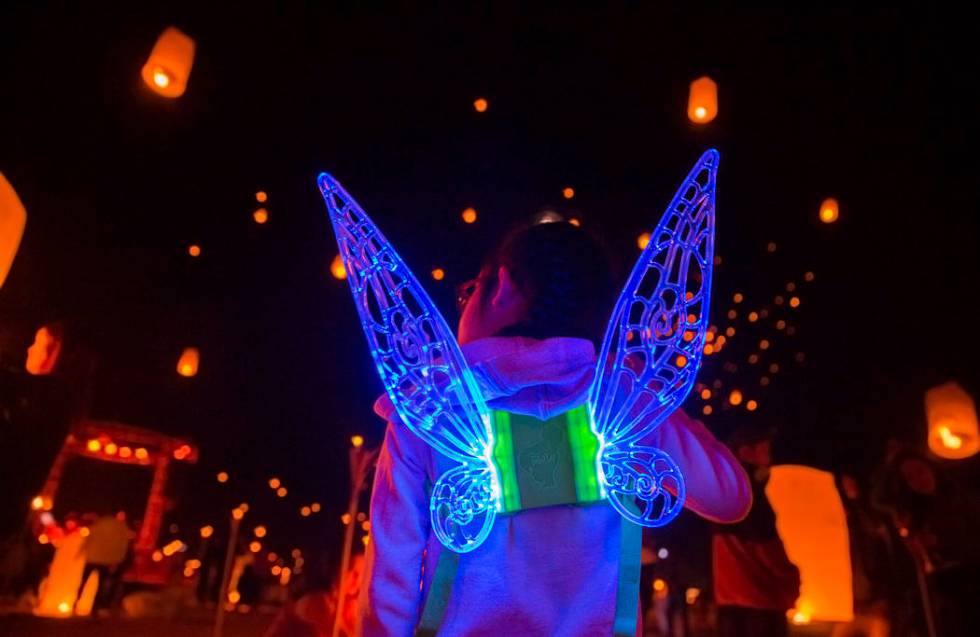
[(585, 448), (438, 596), (503, 457), (628, 591)]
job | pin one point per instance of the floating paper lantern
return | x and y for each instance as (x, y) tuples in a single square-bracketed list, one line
[(13, 217), (568, 193), (170, 62), (829, 210), (811, 522), (702, 103), (189, 360), (952, 417)]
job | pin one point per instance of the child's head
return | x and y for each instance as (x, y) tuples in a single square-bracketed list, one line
[(543, 280)]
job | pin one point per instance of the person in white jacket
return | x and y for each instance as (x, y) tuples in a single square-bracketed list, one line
[(528, 329)]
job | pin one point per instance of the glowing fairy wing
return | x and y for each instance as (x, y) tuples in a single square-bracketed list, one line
[(653, 344), (423, 371), (652, 352), (418, 359)]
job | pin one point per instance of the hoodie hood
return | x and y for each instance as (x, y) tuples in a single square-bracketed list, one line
[(540, 378)]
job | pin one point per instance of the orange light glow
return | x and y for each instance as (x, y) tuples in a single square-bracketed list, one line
[(13, 218), (337, 268), (223, 477), (110, 449), (234, 597), (469, 215), (732, 315), (125, 452), (481, 105), (237, 514), (738, 298), (707, 410), (276, 570), (356, 441), (681, 361), (188, 363), (284, 575), (753, 317), (282, 491), (261, 216), (345, 518), (93, 445), (705, 393), (259, 531), (751, 405), (808, 277), (438, 274), (730, 332), (207, 531), (194, 250), (709, 349), (255, 546), (44, 352), (753, 359), (173, 547), (643, 241), (182, 452), (780, 324), (794, 302), (829, 210), (37, 503), (953, 431), (305, 511), (735, 398), (169, 66), (261, 196), (274, 483), (575, 222), (315, 507), (157, 556), (43, 538), (763, 344), (568, 193), (702, 102)]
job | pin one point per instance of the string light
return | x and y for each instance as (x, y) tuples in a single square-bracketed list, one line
[(274, 483), (751, 405), (753, 317), (282, 491), (735, 398), (794, 302), (738, 297)]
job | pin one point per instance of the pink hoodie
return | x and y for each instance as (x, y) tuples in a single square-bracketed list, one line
[(550, 571)]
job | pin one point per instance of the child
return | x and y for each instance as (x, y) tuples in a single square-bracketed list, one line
[(529, 327)]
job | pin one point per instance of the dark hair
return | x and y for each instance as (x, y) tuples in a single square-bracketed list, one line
[(565, 272)]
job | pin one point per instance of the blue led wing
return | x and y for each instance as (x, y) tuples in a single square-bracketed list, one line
[(423, 371), (652, 351)]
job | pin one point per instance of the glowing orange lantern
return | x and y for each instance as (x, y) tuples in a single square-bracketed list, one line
[(438, 274), (568, 193), (194, 250), (702, 103), (42, 355), (952, 417), (170, 62), (261, 196), (829, 210), (337, 268), (261, 216), (643, 241), (189, 360), (480, 105), (469, 215), (13, 217), (811, 522)]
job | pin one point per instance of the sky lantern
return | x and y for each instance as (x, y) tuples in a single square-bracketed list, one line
[(42, 355), (261, 216), (169, 66), (481, 105), (829, 210), (952, 418), (438, 274), (568, 193), (13, 217), (811, 522), (189, 360), (194, 250), (643, 240), (702, 102), (469, 215), (337, 268), (261, 196)]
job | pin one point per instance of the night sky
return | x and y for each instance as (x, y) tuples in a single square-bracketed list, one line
[(870, 108)]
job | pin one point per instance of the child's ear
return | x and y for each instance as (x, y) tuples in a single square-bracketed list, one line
[(507, 292)]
